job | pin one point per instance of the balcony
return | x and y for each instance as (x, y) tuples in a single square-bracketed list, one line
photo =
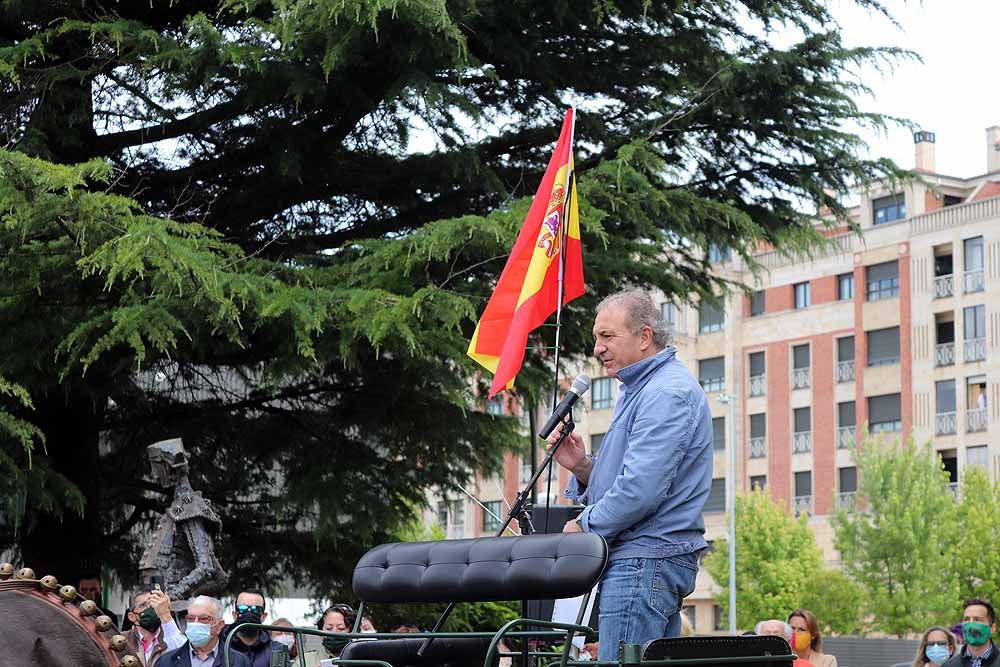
[(802, 442), (845, 371), (758, 447), (944, 286), (847, 501), (803, 505), (976, 420), (846, 437), (800, 378), (974, 281), (758, 385), (975, 349), (945, 423), (944, 354), (953, 488)]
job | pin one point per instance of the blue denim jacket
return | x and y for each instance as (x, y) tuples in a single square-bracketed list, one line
[(653, 473)]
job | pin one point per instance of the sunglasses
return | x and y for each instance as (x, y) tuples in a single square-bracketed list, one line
[(244, 608)]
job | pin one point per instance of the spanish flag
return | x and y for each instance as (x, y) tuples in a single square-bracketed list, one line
[(528, 290)]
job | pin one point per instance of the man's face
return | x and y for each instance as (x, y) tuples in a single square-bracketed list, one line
[(141, 604), (200, 612), (773, 629), (252, 600), (614, 341), (90, 589), (979, 614)]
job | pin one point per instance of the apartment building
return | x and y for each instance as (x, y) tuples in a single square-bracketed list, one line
[(896, 330)]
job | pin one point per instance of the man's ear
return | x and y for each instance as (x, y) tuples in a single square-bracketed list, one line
[(263, 617), (645, 338)]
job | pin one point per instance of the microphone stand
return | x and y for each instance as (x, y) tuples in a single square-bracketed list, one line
[(517, 511)]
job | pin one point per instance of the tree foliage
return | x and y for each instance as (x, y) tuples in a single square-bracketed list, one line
[(268, 226), (974, 562), (898, 544)]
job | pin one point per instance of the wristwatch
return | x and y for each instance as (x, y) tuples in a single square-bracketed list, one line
[(579, 522)]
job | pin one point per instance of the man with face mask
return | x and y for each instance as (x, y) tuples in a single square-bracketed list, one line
[(203, 649), (255, 644), (154, 632), (979, 622)]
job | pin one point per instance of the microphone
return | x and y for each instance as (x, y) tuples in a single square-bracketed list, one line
[(580, 387)]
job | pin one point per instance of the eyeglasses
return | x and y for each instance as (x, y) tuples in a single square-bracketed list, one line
[(244, 608), (938, 643), (204, 618)]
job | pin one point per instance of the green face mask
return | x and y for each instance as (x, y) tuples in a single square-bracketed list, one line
[(148, 620), (334, 645), (975, 634)]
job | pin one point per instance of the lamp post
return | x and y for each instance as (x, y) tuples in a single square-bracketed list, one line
[(730, 401)]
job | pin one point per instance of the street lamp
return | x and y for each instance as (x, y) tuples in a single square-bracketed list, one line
[(730, 401)]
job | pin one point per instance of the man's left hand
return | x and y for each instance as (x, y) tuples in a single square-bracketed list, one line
[(572, 527)]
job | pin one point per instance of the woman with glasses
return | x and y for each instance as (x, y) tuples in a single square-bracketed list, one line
[(936, 646)]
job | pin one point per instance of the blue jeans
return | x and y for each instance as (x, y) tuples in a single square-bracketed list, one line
[(641, 600)]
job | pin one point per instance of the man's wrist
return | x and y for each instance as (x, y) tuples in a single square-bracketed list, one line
[(582, 470)]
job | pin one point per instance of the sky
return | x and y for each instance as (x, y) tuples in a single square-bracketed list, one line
[(954, 92)]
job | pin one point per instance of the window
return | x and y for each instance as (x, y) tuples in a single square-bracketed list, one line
[(491, 521), (596, 439), (495, 405), (800, 356), (688, 610), (757, 366), (718, 254), (456, 515), (888, 209), (710, 318), (669, 312), (717, 496), (526, 471), (883, 280), (944, 394), (803, 420), (973, 255), (602, 396), (845, 348), (757, 303), (977, 456), (883, 346), (801, 295), (975, 322), (884, 413), (712, 374), (803, 483), (442, 513), (845, 414), (758, 425), (758, 482), (717, 618), (845, 286), (719, 433), (952, 200), (847, 479)]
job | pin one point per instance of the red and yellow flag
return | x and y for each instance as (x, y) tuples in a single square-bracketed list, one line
[(528, 290)]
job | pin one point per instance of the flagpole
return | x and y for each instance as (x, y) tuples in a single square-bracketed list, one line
[(563, 235)]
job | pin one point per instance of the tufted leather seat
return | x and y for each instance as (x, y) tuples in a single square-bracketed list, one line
[(483, 569), (721, 648), (443, 652)]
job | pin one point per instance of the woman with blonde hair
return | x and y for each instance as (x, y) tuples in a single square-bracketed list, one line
[(936, 646), (807, 642)]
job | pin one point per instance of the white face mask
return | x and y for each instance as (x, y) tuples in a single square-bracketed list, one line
[(584, 655), (368, 632), (505, 662), (287, 640)]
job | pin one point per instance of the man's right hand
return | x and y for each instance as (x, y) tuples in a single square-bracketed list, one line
[(571, 454)]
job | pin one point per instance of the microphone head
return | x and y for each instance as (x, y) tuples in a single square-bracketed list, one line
[(581, 385)]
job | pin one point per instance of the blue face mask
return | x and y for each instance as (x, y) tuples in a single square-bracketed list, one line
[(198, 634), (937, 654)]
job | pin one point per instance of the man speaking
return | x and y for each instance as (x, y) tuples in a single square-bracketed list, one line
[(645, 491)]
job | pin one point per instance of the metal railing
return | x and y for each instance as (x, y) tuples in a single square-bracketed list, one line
[(847, 501), (802, 442), (803, 504), (945, 423), (974, 281), (944, 286), (845, 371), (846, 437), (944, 354), (800, 378), (975, 349), (953, 488), (758, 385), (976, 420), (758, 447)]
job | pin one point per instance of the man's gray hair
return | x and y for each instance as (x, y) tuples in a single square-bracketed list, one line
[(215, 603), (641, 312), (786, 630)]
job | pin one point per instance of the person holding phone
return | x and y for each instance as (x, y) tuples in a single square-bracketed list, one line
[(154, 632)]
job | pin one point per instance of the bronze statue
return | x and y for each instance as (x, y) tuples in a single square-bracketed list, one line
[(181, 552)]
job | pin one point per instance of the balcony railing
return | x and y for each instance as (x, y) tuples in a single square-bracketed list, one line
[(953, 488), (974, 281), (758, 385), (944, 286), (846, 437), (845, 371), (944, 354), (975, 349), (800, 378), (976, 420), (945, 423), (758, 447), (847, 501), (802, 442), (803, 504)]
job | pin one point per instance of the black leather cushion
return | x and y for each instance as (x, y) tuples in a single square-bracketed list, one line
[(682, 648), (483, 569), (443, 652)]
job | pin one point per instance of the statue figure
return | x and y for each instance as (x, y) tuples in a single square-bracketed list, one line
[(181, 553)]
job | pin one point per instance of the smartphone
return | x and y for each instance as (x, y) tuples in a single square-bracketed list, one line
[(157, 582)]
